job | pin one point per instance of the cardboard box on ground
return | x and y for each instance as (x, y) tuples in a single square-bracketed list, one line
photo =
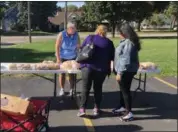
[(15, 105)]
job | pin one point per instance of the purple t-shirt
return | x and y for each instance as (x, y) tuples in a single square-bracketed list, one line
[(103, 55)]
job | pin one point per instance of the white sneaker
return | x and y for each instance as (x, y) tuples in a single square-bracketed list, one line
[(70, 92), (61, 92), (116, 110), (128, 117)]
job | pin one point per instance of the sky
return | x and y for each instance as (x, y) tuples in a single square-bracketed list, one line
[(77, 3)]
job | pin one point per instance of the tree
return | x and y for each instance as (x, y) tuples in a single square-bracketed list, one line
[(144, 9), (117, 12), (40, 11), (81, 8), (22, 21), (99, 11), (160, 6), (156, 20), (59, 9), (140, 10), (3, 7), (172, 11), (72, 8)]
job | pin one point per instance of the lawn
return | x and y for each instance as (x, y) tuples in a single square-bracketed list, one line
[(33, 33), (161, 51)]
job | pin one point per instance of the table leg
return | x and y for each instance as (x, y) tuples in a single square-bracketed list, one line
[(55, 85), (75, 83), (139, 83), (144, 87)]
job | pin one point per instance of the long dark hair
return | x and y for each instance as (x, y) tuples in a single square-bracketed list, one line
[(130, 34)]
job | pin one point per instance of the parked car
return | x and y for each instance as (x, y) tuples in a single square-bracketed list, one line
[(175, 28)]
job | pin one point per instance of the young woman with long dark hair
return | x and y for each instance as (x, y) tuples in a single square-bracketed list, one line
[(126, 64)]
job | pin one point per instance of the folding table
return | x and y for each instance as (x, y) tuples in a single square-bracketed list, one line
[(40, 73), (143, 73)]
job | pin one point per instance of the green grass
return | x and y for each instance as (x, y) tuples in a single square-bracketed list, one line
[(161, 51), (33, 33)]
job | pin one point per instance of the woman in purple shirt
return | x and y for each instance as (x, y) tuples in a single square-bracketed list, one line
[(95, 71)]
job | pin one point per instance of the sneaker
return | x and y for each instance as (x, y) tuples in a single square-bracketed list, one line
[(70, 92), (61, 92), (81, 112), (96, 112), (127, 117), (118, 110)]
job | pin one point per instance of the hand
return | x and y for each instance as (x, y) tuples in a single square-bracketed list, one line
[(112, 69), (58, 61), (111, 66), (118, 77)]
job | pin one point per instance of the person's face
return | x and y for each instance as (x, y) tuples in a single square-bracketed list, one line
[(121, 36), (71, 30)]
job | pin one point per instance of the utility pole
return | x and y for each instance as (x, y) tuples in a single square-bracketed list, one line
[(29, 22), (0, 30), (65, 17)]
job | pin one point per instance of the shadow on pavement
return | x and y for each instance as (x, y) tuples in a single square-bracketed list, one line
[(152, 105), (114, 128), (60, 103)]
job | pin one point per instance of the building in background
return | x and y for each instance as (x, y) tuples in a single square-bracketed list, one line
[(10, 17), (58, 19)]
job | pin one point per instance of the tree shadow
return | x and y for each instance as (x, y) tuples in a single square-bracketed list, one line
[(60, 103), (108, 128), (6, 44), (16, 33), (24, 55), (151, 105)]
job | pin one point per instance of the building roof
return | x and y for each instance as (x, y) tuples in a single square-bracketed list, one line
[(59, 17)]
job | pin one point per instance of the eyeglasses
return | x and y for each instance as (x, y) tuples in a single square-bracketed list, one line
[(72, 28)]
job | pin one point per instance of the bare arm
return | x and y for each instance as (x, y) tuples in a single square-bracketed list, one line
[(112, 56), (58, 46)]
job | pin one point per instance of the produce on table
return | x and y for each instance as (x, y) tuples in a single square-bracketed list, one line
[(45, 65), (12, 67), (148, 65), (70, 65)]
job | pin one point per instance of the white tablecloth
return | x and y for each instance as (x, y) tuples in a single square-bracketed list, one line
[(4, 69)]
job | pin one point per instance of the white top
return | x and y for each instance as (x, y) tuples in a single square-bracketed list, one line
[(4, 69)]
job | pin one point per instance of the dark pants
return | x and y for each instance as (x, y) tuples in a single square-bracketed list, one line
[(125, 94), (90, 76)]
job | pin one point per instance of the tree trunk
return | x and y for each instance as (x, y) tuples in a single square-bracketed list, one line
[(138, 27), (173, 22), (113, 29), (0, 37), (0, 30)]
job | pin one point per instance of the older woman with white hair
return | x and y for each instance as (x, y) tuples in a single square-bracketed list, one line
[(67, 43)]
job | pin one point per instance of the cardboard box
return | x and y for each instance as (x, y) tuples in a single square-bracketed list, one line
[(14, 105)]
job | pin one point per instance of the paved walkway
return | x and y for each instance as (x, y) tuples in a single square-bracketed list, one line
[(155, 110)]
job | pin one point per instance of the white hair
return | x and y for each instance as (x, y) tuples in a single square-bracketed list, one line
[(70, 25)]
